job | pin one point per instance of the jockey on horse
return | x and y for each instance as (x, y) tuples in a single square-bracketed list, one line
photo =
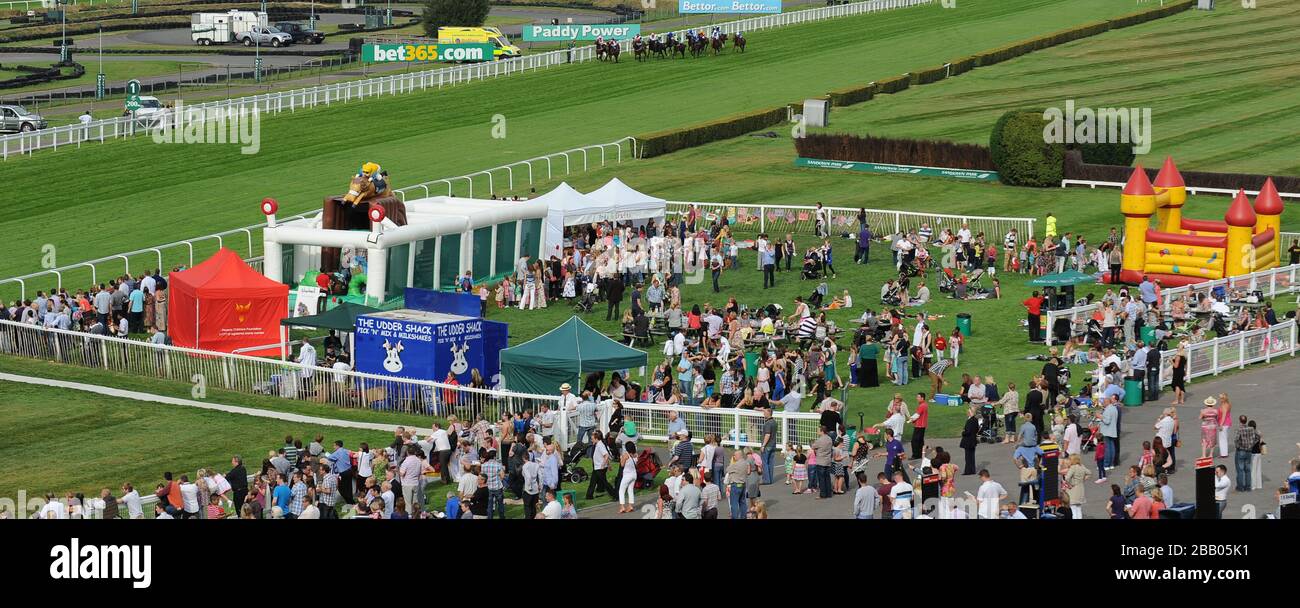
[(717, 31)]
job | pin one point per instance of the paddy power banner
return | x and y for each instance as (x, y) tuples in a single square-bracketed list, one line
[(580, 31), (743, 7)]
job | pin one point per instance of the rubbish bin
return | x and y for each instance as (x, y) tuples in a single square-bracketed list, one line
[(1147, 334), (963, 323), (1132, 391)]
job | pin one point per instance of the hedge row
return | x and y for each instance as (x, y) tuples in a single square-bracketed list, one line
[(663, 142), (36, 75), (919, 152), (46, 31)]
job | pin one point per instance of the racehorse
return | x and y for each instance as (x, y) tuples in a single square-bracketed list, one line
[(360, 189), (718, 43), (600, 51), (639, 50), (679, 48), (738, 43), (657, 48), (613, 48), (697, 45)]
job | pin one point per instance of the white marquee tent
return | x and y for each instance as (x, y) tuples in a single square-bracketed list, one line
[(615, 201)]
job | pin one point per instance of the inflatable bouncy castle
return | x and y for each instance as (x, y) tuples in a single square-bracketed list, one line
[(1179, 251)]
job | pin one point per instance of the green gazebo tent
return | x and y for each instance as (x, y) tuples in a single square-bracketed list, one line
[(562, 355), (342, 318)]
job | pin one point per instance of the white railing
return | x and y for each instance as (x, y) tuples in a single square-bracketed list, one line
[(1271, 283), (344, 92), (257, 376), (1190, 189), (1211, 357), (737, 427), (153, 254), (424, 191), (802, 219)]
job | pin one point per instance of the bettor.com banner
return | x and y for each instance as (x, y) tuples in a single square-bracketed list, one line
[(580, 31), (387, 53), (744, 7)]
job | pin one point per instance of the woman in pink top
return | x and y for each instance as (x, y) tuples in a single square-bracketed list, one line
[(1225, 423), (1209, 426)]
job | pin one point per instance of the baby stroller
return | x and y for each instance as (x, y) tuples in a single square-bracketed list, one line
[(910, 269), (647, 467), (571, 472), (587, 301), (947, 281), (818, 295), (812, 268), (973, 281), (990, 425)]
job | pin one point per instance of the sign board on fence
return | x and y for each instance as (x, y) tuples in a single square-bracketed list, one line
[(387, 53), (742, 7), (988, 176), (306, 301), (426, 346), (580, 31)]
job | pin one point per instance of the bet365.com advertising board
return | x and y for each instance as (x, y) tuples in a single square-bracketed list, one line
[(732, 7), (389, 53)]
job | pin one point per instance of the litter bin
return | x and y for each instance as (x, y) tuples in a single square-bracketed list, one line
[(1132, 391), (1147, 334), (963, 323)]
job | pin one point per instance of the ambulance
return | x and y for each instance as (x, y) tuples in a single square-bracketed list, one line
[(502, 49)]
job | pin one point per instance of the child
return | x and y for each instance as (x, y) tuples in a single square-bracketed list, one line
[(1148, 455), (789, 462), (501, 294), (954, 344), (800, 471), (1101, 462)]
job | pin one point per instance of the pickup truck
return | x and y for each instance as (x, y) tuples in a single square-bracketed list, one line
[(264, 36), (300, 33)]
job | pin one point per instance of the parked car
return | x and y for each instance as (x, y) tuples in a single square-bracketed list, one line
[(151, 111), (17, 118), (300, 33), (264, 36)]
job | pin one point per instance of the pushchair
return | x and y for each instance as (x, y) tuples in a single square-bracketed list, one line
[(990, 425), (947, 281), (571, 472), (647, 467), (818, 295), (973, 282), (812, 268), (586, 302), (910, 269)]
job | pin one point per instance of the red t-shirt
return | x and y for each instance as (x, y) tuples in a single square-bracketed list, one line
[(922, 415), (323, 281), (1035, 305)]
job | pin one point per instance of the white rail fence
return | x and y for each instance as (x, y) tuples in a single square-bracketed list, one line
[(257, 376), (1271, 283), (344, 92), (737, 427), (802, 219), (1193, 190), (1212, 357), (615, 150), (153, 257)]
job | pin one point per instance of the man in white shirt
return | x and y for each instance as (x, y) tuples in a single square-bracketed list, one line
[(1221, 485), (989, 496), (553, 508), (53, 509), (901, 496), (442, 451), (189, 498), (131, 499), (307, 357), (547, 419)]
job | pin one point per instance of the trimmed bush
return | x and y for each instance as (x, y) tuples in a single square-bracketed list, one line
[(963, 65), (663, 142), (1110, 153), (929, 75), (893, 85), (922, 152), (1018, 150), (852, 95)]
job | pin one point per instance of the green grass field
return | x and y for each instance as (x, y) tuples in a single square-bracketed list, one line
[(1219, 85), (440, 133)]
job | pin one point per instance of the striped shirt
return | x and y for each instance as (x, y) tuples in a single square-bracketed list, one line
[(291, 454), (937, 368)]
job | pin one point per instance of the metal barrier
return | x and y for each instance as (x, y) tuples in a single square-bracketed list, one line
[(802, 219), (1211, 357), (256, 376), (344, 92)]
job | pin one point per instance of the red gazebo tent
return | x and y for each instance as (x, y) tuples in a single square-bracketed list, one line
[(224, 305)]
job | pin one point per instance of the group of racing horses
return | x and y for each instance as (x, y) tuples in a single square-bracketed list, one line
[(670, 46)]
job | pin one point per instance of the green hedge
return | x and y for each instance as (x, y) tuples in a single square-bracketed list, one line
[(852, 95), (929, 75), (1021, 155), (893, 85), (663, 142)]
